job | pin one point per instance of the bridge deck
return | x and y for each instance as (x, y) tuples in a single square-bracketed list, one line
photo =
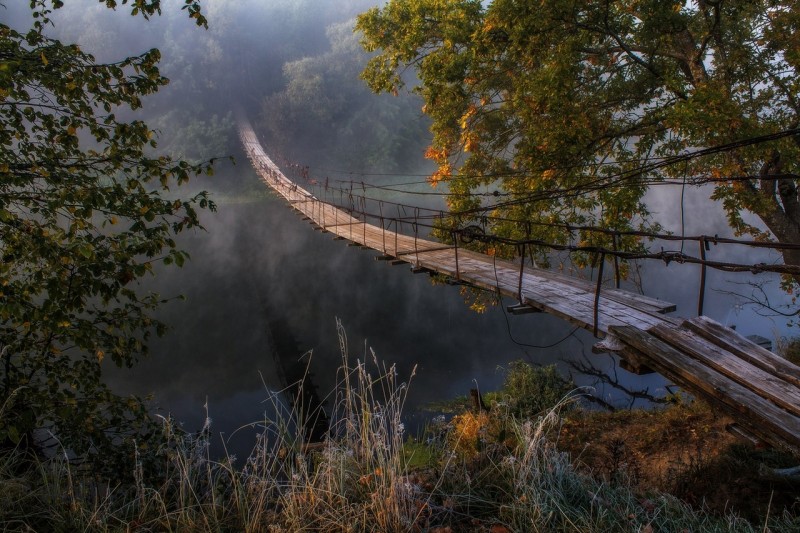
[(754, 386)]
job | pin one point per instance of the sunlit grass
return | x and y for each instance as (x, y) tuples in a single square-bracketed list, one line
[(499, 471)]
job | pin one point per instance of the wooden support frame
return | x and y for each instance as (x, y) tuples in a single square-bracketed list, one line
[(522, 309)]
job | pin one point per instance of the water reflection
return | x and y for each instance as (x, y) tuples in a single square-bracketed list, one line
[(262, 284), (261, 281)]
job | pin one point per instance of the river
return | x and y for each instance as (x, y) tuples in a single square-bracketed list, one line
[(264, 287)]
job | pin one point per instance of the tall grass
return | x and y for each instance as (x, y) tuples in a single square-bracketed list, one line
[(497, 472)]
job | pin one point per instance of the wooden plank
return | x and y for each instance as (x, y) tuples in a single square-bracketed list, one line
[(522, 309), (761, 417), (558, 294), (760, 381), (747, 350), (641, 302), (627, 299), (581, 304), (429, 246), (631, 360)]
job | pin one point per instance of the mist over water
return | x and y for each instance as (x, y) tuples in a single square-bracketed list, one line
[(727, 294), (263, 285), (261, 272)]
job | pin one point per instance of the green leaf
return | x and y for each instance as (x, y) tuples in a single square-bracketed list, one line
[(67, 298)]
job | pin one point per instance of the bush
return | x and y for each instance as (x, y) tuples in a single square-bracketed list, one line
[(790, 349), (529, 391)]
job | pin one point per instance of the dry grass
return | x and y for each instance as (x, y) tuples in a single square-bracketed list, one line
[(489, 473)]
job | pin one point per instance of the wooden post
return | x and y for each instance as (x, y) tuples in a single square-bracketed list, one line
[(702, 295), (416, 231), (398, 226), (597, 291), (364, 211), (321, 203), (521, 250), (616, 260), (455, 242), (478, 404), (383, 228), (352, 210)]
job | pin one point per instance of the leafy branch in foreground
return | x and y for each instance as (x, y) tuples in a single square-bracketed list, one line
[(85, 212)]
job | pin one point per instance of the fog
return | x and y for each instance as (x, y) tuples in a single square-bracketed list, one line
[(260, 279)]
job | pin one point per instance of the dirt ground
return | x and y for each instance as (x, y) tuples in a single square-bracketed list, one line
[(685, 450)]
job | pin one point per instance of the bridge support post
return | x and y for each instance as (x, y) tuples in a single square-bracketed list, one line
[(597, 292), (455, 249), (521, 251), (702, 293)]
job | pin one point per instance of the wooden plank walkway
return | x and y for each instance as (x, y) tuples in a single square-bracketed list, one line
[(754, 386)]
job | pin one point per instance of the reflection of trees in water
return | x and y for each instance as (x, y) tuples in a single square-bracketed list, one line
[(296, 380)]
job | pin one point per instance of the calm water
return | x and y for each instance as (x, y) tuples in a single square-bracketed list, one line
[(262, 281), (263, 285)]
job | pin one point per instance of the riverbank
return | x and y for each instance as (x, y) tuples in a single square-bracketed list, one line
[(532, 459)]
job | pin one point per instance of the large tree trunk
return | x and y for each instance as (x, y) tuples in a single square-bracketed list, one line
[(782, 214)]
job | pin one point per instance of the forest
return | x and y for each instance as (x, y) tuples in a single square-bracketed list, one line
[(568, 134)]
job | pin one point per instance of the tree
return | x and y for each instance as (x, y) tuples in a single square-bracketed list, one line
[(85, 212), (557, 105), (323, 94)]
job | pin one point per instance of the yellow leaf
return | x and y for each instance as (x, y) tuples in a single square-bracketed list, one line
[(100, 354), (470, 143), (44, 59), (443, 173)]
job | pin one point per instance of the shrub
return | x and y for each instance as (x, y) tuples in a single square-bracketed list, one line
[(790, 349), (529, 391)]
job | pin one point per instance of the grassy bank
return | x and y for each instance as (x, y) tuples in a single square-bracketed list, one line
[(535, 461)]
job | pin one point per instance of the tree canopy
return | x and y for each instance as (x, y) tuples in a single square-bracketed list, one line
[(86, 210), (556, 106)]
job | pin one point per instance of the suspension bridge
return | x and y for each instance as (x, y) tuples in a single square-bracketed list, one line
[(756, 387)]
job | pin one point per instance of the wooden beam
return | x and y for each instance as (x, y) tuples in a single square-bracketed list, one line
[(742, 371), (747, 350), (522, 309), (761, 417)]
